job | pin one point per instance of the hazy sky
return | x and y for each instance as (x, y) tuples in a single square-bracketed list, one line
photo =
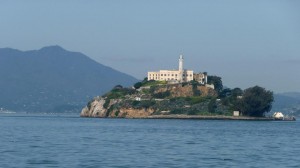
[(246, 42)]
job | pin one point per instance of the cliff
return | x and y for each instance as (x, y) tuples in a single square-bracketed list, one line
[(96, 109), (156, 99)]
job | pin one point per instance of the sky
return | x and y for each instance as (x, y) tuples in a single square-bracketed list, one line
[(246, 42)]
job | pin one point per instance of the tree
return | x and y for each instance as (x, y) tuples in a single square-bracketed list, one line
[(225, 93), (137, 85), (216, 81), (236, 92), (145, 80), (256, 101), (118, 87), (232, 98)]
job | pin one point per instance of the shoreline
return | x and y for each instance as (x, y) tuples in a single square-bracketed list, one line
[(198, 117), (201, 117)]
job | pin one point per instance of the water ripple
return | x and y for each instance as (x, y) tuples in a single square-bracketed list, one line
[(41, 141)]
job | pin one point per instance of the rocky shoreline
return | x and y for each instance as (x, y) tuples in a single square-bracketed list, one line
[(201, 117)]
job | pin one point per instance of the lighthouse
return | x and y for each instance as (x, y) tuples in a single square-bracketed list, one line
[(180, 69), (180, 63)]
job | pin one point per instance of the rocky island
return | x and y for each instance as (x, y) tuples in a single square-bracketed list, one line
[(153, 98), (158, 99), (181, 94)]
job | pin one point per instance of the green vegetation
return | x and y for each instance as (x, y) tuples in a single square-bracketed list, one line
[(196, 99), (117, 113), (154, 83), (107, 101), (162, 95), (216, 81), (231, 98), (137, 85), (150, 83), (256, 101), (118, 92), (89, 104), (212, 105), (143, 104)]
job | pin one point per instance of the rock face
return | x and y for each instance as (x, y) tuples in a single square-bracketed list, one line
[(179, 90), (96, 108), (155, 100)]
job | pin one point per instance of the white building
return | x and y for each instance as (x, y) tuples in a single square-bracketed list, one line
[(179, 76)]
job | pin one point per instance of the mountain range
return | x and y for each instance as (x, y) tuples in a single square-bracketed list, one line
[(53, 79)]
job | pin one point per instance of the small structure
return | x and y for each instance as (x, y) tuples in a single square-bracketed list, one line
[(278, 116), (236, 113)]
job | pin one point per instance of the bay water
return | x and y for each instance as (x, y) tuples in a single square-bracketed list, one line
[(30, 140)]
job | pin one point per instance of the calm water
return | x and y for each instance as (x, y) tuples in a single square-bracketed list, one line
[(70, 141)]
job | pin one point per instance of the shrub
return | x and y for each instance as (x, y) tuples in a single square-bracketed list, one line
[(109, 110), (117, 113), (152, 89), (107, 101), (192, 112), (118, 93), (212, 105), (195, 99), (162, 95), (177, 111), (89, 105), (137, 85), (147, 103), (135, 103)]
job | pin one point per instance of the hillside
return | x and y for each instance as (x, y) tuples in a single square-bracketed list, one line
[(53, 79), (157, 99), (151, 99)]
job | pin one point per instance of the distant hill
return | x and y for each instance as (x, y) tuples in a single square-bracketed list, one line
[(288, 103), (53, 79)]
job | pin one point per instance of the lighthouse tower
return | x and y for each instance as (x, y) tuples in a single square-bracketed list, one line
[(180, 68)]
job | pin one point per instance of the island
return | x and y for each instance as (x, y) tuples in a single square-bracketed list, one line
[(182, 94), (191, 100)]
